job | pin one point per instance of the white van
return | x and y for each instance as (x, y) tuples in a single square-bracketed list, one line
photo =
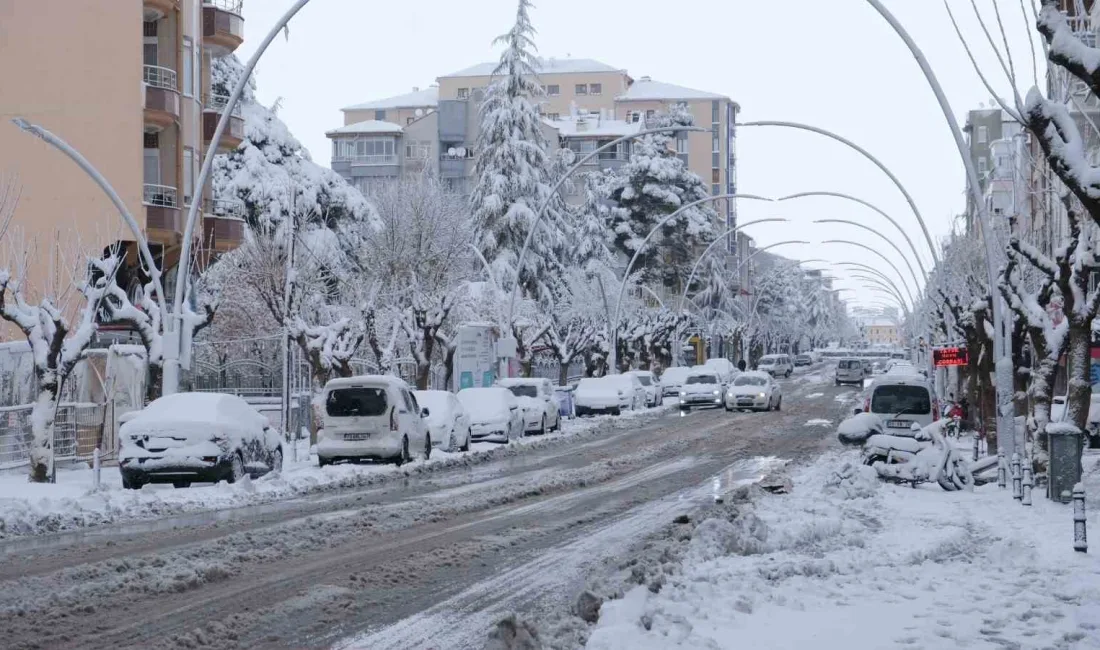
[(724, 367), (901, 401), (372, 417), (776, 365)]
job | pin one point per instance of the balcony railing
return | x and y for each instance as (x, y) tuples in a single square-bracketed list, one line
[(374, 159), (232, 6), (160, 77), (224, 208), (217, 103), (160, 195)]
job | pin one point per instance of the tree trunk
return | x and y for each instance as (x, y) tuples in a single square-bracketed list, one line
[(563, 373), (42, 416), (424, 370), (1078, 368), (155, 374)]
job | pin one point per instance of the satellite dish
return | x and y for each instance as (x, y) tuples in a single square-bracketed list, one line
[(419, 112), (451, 151), (568, 156), (462, 152)]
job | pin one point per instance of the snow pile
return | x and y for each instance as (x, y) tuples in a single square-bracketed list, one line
[(856, 429), (904, 567)]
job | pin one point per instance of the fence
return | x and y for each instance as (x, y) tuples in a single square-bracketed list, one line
[(78, 429)]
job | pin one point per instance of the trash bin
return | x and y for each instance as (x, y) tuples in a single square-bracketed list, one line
[(1065, 444)]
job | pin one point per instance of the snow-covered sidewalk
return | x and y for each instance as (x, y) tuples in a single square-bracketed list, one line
[(858, 564), (32, 509)]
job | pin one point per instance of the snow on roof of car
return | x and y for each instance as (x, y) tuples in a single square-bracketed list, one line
[(195, 407), (756, 373), (366, 380), (520, 381), (643, 373)]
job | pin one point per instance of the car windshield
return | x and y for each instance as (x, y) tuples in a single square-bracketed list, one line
[(897, 398), (702, 379), (524, 391), (645, 379), (849, 363), (356, 401), (749, 380), (767, 362)]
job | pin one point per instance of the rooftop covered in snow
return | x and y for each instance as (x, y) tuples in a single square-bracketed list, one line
[(377, 127), (647, 89), (549, 65), (416, 99), (593, 126)]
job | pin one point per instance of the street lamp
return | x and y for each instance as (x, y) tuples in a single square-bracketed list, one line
[(888, 288), (876, 272), (884, 258), (918, 279)]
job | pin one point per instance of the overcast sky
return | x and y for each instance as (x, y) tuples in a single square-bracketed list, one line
[(835, 64)]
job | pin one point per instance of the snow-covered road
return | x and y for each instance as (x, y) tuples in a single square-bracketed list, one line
[(429, 560)]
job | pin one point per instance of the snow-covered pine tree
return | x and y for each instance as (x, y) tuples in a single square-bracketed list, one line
[(512, 168), (652, 185)]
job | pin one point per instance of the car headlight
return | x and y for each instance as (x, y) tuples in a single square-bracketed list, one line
[(761, 395), (717, 392)]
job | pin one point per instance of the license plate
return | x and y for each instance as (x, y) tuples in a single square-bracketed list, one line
[(899, 424), (356, 436), (745, 402)]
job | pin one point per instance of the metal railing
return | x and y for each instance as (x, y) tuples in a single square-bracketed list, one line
[(373, 159), (224, 208), (232, 6), (217, 103), (160, 195), (160, 77), (78, 430)]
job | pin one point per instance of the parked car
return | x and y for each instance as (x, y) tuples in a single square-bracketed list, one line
[(724, 367), (611, 394), (701, 388), (448, 422), (633, 392), (755, 390), (495, 414), (902, 400), (849, 371), (564, 397), (653, 391), (196, 437), (536, 397), (776, 365), (803, 360), (672, 379), (372, 417)]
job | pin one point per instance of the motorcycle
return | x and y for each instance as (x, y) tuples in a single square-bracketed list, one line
[(925, 456)]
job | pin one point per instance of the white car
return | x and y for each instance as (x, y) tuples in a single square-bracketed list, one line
[(672, 379), (495, 414), (902, 400), (448, 422), (611, 394), (701, 388), (196, 437), (651, 385), (724, 367), (776, 365), (541, 412), (372, 417), (756, 390)]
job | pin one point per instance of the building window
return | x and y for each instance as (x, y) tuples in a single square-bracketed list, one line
[(582, 89), (714, 111), (681, 145), (553, 116), (553, 90), (188, 175), (983, 165), (714, 176), (380, 115), (595, 89), (463, 93), (649, 115), (149, 44), (983, 134), (633, 116), (714, 190), (715, 160), (418, 150), (188, 66)]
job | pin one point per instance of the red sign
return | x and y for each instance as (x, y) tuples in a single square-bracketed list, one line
[(943, 357)]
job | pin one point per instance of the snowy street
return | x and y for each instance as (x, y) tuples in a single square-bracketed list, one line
[(432, 560)]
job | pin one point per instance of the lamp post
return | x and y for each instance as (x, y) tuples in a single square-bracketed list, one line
[(884, 258), (174, 343), (885, 287), (870, 269), (917, 279)]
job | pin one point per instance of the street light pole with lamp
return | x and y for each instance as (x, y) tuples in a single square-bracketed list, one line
[(884, 258), (918, 279)]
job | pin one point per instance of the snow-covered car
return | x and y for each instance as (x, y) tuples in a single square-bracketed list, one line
[(536, 397), (651, 385), (631, 390), (672, 379), (448, 423), (495, 414), (776, 365), (701, 388), (902, 400), (611, 394), (724, 367), (803, 360), (196, 437), (372, 417), (755, 390)]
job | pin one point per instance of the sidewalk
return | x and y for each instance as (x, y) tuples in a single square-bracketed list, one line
[(857, 564)]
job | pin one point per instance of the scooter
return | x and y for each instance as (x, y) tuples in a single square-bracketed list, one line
[(925, 456)]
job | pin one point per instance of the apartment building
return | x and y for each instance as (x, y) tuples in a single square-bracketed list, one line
[(127, 83)]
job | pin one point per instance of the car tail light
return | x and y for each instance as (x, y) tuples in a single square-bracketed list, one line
[(393, 419), (867, 405)]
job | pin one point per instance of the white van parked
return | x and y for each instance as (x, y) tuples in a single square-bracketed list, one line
[(372, 417), (902, 400)]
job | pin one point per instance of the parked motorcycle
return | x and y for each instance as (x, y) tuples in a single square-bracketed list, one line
[(924, 456)]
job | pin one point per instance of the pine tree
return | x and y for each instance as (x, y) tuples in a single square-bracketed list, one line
[(652, 185), (513, 168)]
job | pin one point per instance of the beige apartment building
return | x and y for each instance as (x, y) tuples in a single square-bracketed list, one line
[(127, 83), (586, 103)]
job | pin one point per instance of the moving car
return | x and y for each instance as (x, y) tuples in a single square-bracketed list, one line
[(372, 417), (448, 423), (776, 365), (495, 414), (536, 397), (724, 367), (755, 390), (196, 437), (868, 367), (803, 360), (902, 400), (701, 388), (672, 379), (652, 387), (849, 371)]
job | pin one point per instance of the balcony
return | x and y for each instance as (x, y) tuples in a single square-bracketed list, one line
[(234, 129), (157, 9), (163, 221), (454, 166), (162, 97), (223, 225), (222, 25)]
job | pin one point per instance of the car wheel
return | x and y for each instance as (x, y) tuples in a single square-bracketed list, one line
[(181, 484), (427, 447), (466, 445), (236, 468), (788, 375), (403, 456), (128, 484), (617, 412), (837, 382), (779, 404), (726, 406), (452, 444), (542, 429), (322, 461), (277, 461)]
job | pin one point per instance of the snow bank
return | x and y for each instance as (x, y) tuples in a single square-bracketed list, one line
[(902, 566), (33, 509), (856, 429)]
